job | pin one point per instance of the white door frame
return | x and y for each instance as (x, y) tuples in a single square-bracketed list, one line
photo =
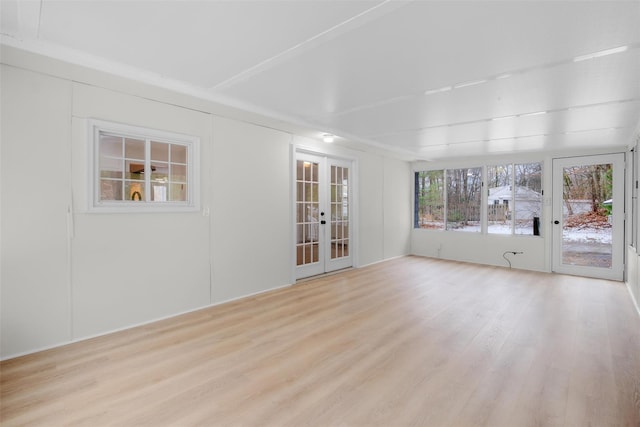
[(298, 152), (616, 272)]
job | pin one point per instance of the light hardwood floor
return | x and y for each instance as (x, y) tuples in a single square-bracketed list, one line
[(412, 341)]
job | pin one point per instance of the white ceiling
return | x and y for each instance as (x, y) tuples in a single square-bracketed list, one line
[(365, 70)]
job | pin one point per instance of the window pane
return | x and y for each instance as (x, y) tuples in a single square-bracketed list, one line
[(429, 200), (134, 191), (110, 189), (299, 233), (159, 172), (300, 212), (499, 210), (178, 153), (463, 199), (528, 198), (159, 151), (134, 149), (110, 146), (135, 169), (178, 193), (313, 190), (111, 168), (178, 173), (111, 163), (159, 192)]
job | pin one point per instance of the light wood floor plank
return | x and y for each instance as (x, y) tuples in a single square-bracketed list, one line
[(412, 341)]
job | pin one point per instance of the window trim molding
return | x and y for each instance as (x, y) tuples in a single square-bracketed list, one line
[(94, 205)]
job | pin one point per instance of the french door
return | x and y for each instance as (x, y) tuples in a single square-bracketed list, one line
[(588, 216), (322, 215)]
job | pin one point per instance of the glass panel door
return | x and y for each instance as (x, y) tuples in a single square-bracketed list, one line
[(323, 215), (589, 216), (339, 254), (309, 256)]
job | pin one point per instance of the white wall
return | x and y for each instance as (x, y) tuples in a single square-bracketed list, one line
[(128, 268), (68, 274), (250, 237), (397, 218), (35, 188)]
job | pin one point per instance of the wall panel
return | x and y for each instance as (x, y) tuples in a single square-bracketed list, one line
[(251, 231), (35, 183), (397, 199), (130, 268)]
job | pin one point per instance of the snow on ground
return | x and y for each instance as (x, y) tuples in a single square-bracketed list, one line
[(569, 235), (587, 235)]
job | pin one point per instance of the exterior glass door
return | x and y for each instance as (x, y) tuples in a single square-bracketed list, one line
[(323, 215), (588, 216)]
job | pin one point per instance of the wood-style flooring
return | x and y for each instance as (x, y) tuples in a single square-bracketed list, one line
[(411, 341)]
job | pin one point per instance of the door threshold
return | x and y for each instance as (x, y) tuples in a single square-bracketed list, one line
[(319, 276)]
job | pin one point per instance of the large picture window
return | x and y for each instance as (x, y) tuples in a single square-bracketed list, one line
[(142, 169), (452, 199)]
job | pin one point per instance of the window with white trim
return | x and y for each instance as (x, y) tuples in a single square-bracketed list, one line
[(451, 199), (140, 169)]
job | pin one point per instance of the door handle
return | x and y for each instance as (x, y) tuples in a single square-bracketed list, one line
[(556, 222), (323, 222)]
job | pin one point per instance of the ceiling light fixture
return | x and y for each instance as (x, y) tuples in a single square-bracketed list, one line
[(600, 53), (467, 84), (328, 138)]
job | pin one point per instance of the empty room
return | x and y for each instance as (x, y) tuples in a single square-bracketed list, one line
[(319, 212)]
